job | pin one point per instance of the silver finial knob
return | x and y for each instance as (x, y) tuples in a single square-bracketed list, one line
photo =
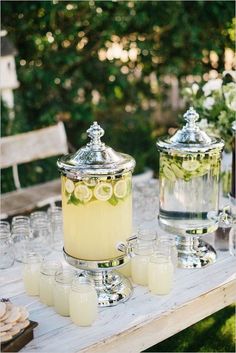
[(95, 132), (191, 116)]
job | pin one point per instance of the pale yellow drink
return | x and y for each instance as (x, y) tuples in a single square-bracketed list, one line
[(31, 278), (61, 291), (97, 215), (61, 299), (47, 281), (139, 269), (46, 284), (83, 305), (160, 275)]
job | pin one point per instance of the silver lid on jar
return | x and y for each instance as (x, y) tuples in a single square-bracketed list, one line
[(95, 158), (190, 139)]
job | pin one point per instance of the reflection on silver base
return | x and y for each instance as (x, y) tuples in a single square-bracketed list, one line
[(194, 252), (112, 287)]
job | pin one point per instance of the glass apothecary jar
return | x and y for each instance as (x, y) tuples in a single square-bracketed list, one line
[(190, 163), (96, 199)]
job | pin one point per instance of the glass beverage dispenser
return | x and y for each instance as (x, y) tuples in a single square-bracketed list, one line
[(97, 213), (189, 190)]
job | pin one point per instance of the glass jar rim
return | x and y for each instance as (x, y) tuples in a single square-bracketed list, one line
[(80, 282), (5, 233), (50, 267), (65, 276), (160, 257), (32, 258)]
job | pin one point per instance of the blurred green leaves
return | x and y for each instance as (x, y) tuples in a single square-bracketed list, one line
[(65, 71)]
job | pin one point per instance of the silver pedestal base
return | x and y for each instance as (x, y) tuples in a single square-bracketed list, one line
[(112, 287), (194, 252)]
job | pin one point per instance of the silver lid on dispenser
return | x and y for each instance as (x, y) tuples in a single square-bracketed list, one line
[(95, 158), (190, 138)]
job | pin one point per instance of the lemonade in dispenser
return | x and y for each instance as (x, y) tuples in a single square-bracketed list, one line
[(96, 199)]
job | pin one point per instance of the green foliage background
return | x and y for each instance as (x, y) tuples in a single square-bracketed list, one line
[(58, 76)]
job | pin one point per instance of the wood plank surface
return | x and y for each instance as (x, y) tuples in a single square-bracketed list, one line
[(142, 321)]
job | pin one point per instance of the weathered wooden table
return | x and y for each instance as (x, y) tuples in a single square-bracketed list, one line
[(139, 323), (135, 325)]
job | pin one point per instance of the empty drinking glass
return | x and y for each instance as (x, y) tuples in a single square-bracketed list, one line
[(21, 238), (55, 217), (7, 256), (41, 233), (4, 225)]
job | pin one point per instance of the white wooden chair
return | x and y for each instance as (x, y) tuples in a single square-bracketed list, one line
[(28, 147)]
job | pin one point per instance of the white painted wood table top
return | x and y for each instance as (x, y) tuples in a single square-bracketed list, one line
[(115, 325), (137, 324)]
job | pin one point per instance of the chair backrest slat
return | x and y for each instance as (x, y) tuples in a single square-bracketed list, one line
[(33, 145)]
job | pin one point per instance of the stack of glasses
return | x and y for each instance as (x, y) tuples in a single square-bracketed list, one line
[(41, 232)]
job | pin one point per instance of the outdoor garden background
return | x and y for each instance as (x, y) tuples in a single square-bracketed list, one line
[(134, 66)]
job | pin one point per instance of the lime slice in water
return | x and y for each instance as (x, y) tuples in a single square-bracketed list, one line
[(169, 174), (69, 186), (83, 193), (190, 165), (178, 172), (103, 191), (120, 189)]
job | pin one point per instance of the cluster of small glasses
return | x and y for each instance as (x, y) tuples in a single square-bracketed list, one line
[(153, 261), (145, 202), (40, 232), (70, 293)]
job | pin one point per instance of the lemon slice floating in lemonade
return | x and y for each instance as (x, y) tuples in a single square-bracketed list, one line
[(190, 165), (90, 182), (103, 191), (69, 186), (83, 193), (120, 189)]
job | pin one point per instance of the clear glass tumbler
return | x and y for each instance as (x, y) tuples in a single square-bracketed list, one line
[(160, 272), (83, 302), (142, 250), (61, 291), (48, 270), (31, 272), (21, 238), (41, 233), (56, 221), (7, 255)]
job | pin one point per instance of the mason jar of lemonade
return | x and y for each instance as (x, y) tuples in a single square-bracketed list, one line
[(96, 199)]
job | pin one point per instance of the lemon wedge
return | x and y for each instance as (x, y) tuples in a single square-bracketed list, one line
[(69, 186), (120, 189), (83, 193), (103, 191), (190, 165)]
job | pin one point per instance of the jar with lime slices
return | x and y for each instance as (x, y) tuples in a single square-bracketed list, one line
[(189, 179), (96, 199)]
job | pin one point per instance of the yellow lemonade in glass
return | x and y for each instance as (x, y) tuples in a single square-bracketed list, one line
[(97, 215)]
